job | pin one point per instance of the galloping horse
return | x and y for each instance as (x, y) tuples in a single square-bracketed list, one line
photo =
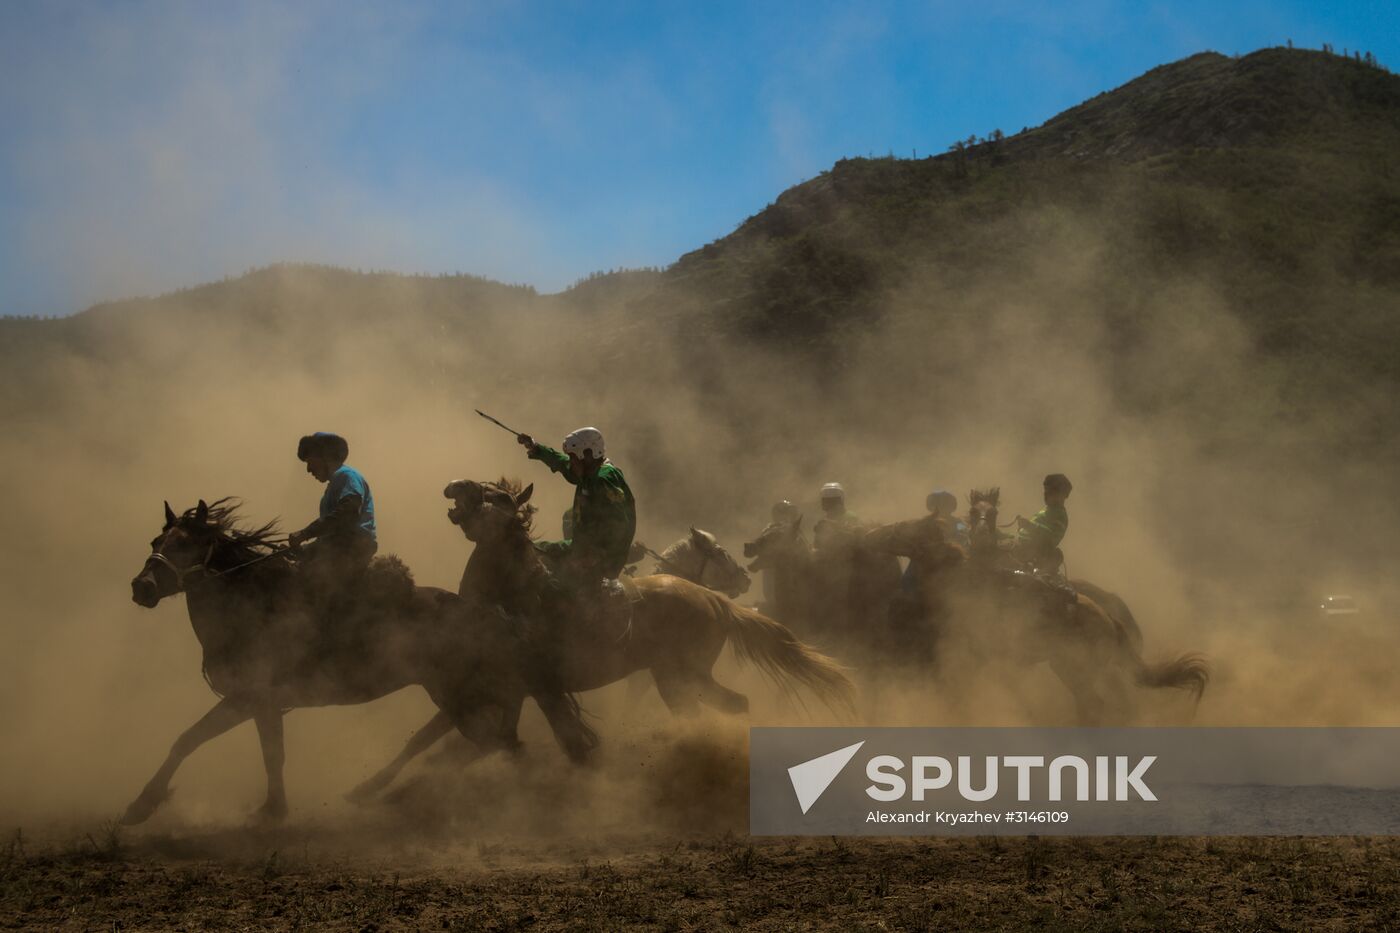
[(1094, 654), (269, 649), (982, 524), (677, 628)]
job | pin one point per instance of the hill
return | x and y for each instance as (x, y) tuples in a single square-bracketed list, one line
[(1186, 289)]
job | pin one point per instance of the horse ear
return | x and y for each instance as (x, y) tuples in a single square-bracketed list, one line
[(695, 534), (201, 512), (525, 495), (169, 515)]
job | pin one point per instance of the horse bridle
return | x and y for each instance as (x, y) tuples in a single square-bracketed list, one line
[(159, 558)]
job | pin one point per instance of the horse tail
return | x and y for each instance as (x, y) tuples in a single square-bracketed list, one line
[(1187, 672), (772, 647)]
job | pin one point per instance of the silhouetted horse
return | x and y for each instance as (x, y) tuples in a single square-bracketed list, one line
[(268, 647), (676, 630)]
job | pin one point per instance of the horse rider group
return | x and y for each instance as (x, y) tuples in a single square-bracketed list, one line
[(1034, 548), (601, 524), (587, 563)]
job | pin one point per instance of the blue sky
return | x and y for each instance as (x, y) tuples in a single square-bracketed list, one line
[(148, 146)]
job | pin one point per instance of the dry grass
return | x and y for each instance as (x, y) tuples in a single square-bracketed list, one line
[(239, 881)]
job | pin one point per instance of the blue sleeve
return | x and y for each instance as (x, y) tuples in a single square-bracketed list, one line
[(346, 482)]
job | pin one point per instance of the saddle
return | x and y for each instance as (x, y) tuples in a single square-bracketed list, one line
[(1053, 592)]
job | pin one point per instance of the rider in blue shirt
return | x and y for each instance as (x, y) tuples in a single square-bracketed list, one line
[(343, 535)]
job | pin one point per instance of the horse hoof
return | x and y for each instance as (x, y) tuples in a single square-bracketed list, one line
[(364, 794), (137, 813), (142, 808), (269, 814)]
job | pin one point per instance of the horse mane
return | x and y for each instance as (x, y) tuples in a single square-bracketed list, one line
[(224, 520), (990, 496), (525, 514)]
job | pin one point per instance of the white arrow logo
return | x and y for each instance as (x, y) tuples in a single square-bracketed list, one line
[(811, 778)]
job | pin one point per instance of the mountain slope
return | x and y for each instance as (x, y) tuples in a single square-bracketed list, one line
[(1187, 289)]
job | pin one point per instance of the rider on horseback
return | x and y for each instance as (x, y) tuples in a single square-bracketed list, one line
[(343, 535), (783, 513), (1038, 538), (837, 529), (604, 515), (944, 504)]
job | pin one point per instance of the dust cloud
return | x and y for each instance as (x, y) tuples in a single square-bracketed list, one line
[(1206, 512)]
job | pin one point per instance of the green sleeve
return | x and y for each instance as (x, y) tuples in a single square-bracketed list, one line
[(555, 460), (605, 533), (1047, 529)]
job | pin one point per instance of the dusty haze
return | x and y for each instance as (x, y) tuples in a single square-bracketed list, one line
[(1216, 522)]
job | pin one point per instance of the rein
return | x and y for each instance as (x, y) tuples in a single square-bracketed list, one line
[(181, 586)]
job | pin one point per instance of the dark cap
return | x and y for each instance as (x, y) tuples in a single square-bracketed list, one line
[(784, 511), (325, 444), (1058, 482), (942, 501)]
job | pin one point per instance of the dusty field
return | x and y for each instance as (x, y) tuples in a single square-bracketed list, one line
[(302, 879), (653, 837)]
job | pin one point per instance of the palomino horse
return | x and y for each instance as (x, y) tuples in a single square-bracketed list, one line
[(700, 558), (676, 632), (1094, 654), (266, 651)]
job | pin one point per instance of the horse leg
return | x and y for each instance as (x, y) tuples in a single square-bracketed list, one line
[(269, 723), (419, 742), (717, 696), (224, 716), (637, 688), (679, 691), (565, 718), (1088, 705)]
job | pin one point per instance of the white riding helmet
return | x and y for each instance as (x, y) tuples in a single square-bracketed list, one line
[(833, 491), (585, 441)]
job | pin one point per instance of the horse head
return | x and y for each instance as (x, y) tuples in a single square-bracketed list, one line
[(485, 510), (982, 518), (714, 567), (183, 547)]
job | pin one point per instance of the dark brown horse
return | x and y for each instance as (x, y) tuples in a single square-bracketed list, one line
[(989, 548), (270, 645), (1092, 653), (841, 598), (676, 631)]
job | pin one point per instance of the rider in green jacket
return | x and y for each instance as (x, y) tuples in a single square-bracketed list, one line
[(604, 516), (1038, 538)]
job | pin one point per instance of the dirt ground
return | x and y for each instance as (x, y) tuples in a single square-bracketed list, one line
[(316, 879), (654, 837)]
